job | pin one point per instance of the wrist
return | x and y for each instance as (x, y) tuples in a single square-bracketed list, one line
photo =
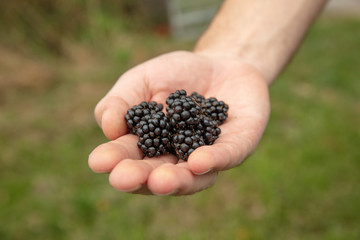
[(264, 34), (245, 57)]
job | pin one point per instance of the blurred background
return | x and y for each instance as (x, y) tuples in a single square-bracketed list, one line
[(58, 58)]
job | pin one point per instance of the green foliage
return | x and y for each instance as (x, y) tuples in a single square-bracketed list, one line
[(301, 183), (46, 26)]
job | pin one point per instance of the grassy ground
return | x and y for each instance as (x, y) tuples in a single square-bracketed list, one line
[(301, 183)]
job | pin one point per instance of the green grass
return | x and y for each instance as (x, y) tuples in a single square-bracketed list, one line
[(301, 183)]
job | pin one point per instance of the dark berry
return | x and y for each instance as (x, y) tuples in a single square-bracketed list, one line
[(139, 112), (216, 110), (184, 145), (211, 107), (157, 141), (209, 129), (182, 111), (152, 126)]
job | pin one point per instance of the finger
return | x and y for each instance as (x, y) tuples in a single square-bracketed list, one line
[(131, 175), (105, 157), (235, 144), (128, 91), (170, 179), (144, 190), (110, 115)]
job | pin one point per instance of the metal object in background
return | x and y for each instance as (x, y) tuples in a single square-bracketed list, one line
[(189, 18), (344, 7)]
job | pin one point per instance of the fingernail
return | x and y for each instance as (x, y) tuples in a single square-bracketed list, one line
[(100, 171), (102, 118), (167, 194), (202, 173), (133, 189)]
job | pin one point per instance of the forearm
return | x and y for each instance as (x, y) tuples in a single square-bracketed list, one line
[(264, 33)]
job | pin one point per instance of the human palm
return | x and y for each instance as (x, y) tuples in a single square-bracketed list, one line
[(236, 83)]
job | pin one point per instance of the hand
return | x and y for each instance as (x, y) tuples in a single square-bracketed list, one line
[(237, 83)]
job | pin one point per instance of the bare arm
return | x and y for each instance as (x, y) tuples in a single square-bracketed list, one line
[(264, 33), (243, 51)]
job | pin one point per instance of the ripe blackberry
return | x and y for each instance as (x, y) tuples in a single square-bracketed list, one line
[(183, 112), (216, 110), (185, 142), (209, 130), (211, 107), (135, 114), (154, 134)]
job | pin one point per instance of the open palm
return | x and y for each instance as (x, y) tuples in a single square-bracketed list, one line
[(236, 83)]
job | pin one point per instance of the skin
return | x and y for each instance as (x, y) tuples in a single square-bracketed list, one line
[(236, 60)]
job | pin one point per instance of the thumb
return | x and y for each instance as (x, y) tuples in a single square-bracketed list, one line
[(110, 111)]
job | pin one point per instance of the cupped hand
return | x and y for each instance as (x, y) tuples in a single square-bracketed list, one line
[(235, 82)]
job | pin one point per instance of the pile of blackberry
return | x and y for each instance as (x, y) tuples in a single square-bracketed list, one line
[(190, 122)]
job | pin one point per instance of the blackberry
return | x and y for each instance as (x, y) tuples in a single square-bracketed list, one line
[(154, 134), (216, 110), (183, 112), (135, 114), (189, 122), (211, 107), (185, 142), (209, 130)]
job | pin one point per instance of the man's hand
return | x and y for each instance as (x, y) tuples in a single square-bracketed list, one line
[(245, 48), (237, 83)]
